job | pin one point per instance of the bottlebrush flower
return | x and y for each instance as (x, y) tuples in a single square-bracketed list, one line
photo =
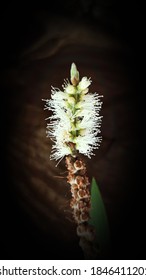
[(74, 125)]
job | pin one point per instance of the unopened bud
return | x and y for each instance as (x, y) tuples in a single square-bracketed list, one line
[(71, 100), (70, 89), (74, 75)]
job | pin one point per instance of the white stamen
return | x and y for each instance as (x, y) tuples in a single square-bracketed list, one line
[(75, 119)]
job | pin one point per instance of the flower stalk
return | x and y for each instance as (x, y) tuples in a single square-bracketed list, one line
[(74, 127), (80, 204)]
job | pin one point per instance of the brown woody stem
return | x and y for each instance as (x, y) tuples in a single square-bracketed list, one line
[(80, 204)]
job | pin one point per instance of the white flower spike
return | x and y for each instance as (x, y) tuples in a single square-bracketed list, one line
[(75, 122)]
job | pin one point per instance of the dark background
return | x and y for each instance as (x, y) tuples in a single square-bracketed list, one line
[(21, 26)]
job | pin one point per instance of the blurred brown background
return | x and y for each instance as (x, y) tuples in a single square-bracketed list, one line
[(38, 47)]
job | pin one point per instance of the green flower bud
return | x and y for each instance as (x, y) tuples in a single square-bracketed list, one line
[(74, 75)]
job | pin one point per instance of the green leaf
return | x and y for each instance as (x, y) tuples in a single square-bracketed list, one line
[(98, 218)]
